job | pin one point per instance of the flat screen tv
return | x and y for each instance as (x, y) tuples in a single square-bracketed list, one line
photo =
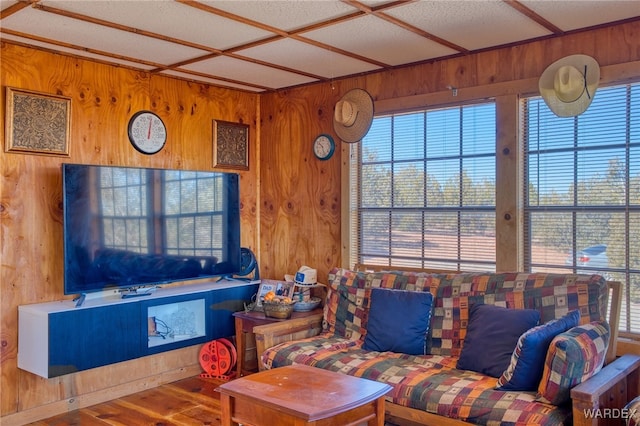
[(130, 228)]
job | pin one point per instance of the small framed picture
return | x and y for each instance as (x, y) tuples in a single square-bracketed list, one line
[(230, 145), (37, 123), (280, 288)]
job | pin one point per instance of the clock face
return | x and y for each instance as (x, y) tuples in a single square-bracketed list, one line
[(147, 132), (323, 147)]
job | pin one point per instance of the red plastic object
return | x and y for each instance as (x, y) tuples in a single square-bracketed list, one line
[(218, 359)]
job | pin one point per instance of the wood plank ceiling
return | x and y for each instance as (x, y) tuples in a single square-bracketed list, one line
[(262, 45)]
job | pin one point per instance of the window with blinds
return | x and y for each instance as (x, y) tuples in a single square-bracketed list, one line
[(423, 192), (582, 191)]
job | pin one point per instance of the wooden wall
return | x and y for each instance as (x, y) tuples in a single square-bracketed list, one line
[(291, 202), (103, 98), (301, 198)]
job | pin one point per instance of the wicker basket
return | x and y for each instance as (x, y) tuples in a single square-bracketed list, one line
[(278, 310)]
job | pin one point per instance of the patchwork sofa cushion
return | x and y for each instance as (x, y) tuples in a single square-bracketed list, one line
[(429, 383), (552, 295), (527, 361), (346, 311), (398, 321), (573, 357), (492, 335), (348, 297)]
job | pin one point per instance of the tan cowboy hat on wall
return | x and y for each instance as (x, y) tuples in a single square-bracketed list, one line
[(569, 85), (353, 115)]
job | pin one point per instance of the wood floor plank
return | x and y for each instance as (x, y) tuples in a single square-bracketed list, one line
[(188, 402)]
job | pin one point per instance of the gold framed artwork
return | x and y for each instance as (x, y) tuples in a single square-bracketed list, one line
[(37, 123), (230, 145)]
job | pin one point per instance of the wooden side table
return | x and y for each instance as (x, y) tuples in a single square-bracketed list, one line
[(244, 323), (302, 395)]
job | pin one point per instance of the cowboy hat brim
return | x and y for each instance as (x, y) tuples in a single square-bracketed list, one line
[(580, 105), (364, 103)]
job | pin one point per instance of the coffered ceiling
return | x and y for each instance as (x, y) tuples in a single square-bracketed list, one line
[(262, 45)]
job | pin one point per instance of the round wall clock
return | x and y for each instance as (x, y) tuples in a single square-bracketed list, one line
[(147, 132), (324, 147)]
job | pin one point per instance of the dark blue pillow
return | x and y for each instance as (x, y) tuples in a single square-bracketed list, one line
[(398, 321), (527, 361), (492, 335)]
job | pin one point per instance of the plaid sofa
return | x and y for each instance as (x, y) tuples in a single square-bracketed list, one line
[(431, 382)]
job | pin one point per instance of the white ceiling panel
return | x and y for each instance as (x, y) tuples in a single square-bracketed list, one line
[(6, 3), (168, 18), (215, 82), (288, 43), (307, 58), (235, 69), (475, 22), (98, 37), (569, 15), (74, 52), (374, 38), (286, 15)]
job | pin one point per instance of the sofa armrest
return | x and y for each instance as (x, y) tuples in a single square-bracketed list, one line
[(612, 388), (269, 335)]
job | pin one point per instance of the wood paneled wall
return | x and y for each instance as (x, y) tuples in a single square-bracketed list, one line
[(301, 197), (103, 98), (291, 202)]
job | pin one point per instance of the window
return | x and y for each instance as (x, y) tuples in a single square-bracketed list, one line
[(423, 190), (582, 191)]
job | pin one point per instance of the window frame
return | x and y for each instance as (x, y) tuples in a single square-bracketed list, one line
[(507, 94), (622, 274), (353, 199)]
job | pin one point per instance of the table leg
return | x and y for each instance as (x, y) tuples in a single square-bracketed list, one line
[(225, 410), (239, 346), (379, 419)]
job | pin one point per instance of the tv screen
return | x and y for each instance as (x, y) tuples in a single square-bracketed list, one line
[(127, 227)]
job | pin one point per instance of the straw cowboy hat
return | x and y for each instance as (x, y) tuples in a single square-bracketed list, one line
[(569, 85), (353, 115)]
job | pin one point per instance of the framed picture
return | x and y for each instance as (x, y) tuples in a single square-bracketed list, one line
[(37, 123), (280, 288), (230, 145)]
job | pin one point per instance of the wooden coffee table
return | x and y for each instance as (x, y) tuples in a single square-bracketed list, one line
[(299, 395)]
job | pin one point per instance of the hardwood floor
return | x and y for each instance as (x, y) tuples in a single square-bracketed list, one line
[(188, 402), (191, 401)]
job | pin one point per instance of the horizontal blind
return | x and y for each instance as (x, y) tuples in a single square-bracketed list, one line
[(582, 191), (423, 190)]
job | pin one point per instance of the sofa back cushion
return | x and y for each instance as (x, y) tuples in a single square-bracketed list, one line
[(553, 295), (346, 310)]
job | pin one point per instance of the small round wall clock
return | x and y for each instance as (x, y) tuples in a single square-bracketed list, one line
[(147, 132), (324, 146)]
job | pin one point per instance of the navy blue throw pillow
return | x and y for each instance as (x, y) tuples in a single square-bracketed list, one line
[(398, 321), (527, 361), (492, 335)]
